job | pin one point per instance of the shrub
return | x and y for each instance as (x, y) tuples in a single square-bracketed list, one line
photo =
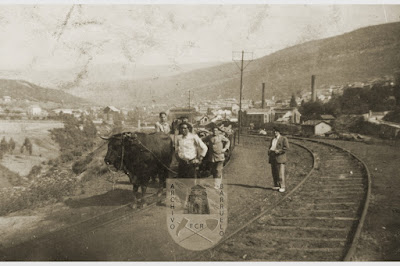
[(393, 116), (80, 166), (66, 157), (76, 153), (52, 186), (36, 169)]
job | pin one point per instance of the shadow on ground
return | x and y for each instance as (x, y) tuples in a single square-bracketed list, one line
[(248, 186), (115, 197), (152, 184)]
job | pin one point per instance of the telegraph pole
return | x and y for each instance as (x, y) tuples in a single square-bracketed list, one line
[(241, 67), (190, 110), (189, 99)]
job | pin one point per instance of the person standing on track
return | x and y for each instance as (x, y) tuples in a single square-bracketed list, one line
[(277, 158), (189, 150), (218, 144), (162, 125)]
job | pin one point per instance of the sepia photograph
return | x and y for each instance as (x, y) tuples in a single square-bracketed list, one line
[(190, 131)]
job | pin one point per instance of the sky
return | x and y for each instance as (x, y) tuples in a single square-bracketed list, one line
[(50, 37)]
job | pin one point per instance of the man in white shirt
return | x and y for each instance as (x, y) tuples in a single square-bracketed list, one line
[(163, 125), (277, 158), (189, 150)]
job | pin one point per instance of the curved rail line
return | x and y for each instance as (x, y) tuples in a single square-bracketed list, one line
[(351, 250), (276, 219), (318, 220)]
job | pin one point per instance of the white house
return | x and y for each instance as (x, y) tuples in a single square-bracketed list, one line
[(6, 99), (315, 127), (202, 120), (235, 108), (63, 110), (288, 115), (34, 110), (224, 112)]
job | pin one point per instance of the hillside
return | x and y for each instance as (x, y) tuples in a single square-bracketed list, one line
[(361, 55), (24, 90)]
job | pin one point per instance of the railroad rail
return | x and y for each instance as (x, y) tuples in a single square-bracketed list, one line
[(318, 220)]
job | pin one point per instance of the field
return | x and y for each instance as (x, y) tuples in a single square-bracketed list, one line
[(43, 147)]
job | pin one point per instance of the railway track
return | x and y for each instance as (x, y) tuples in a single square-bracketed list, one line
[(318, 220)]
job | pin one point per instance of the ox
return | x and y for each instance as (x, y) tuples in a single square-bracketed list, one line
[(141, 156)]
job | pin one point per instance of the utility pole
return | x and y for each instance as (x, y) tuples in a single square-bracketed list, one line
[(190, 111), (189, 99), (241, 67), (263, 96)]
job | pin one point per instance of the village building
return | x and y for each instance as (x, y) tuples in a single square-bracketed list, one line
[(59, 111), (202, 108), (315, 127), (374, 116), (235, 108), (327, 118), (202, 120), (224, 112), (6, 99), (34, 111), (189, 113), (110, 112), (287, 115), (258, 117)]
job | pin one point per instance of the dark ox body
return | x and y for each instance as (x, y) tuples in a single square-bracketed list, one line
[(143, 156)]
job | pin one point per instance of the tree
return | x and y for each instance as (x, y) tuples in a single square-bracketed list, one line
[(3, 145), (293, 102), (311, 110), (74, 138), (355, 101), (333, 106), (379, 98), (89, 129), (11, 145), (393, 116), (27, 145)]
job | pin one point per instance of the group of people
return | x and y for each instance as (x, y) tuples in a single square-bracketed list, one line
[(190, 150)]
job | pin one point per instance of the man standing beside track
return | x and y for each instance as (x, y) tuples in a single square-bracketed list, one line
[(217, 144), (190, 151), (277, 158)]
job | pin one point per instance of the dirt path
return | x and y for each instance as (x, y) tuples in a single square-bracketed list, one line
[(136, 236), (379, 241)]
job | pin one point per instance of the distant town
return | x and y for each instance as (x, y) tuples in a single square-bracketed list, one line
[(255, 114)]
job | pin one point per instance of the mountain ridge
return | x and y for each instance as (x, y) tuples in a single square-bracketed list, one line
[(363, 54), (25, 90)]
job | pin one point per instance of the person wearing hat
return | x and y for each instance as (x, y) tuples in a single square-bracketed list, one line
[(277, 158), (217, 144)]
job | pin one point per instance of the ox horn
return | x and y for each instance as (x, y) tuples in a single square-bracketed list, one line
[(105, 138)]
